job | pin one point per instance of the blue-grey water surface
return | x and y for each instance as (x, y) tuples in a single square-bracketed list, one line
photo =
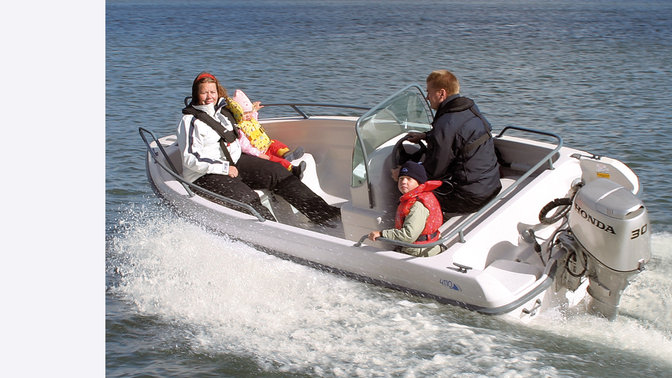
[(183, 302)]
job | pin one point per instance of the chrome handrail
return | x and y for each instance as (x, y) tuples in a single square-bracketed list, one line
[(460, 227), (295, 106), (305, 115)]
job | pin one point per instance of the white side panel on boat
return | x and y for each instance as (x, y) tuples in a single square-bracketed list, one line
[(514, 276)]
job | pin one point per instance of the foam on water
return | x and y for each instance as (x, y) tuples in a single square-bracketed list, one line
[(231, 299)]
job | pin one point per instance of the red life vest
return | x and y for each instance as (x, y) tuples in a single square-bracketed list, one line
[(435, 219)]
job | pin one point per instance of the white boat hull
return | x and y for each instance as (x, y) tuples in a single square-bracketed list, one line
[(489, 266)]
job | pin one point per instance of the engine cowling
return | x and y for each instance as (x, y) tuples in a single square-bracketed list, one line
[(610, 228), (612, 224)]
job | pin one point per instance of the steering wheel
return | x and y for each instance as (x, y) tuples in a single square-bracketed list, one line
[(400, 154)]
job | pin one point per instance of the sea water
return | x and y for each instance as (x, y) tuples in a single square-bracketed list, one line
[(181, 301)]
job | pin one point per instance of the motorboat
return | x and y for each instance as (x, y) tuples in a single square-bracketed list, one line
[(567, 229)]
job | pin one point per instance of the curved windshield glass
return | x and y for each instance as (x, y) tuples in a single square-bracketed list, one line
[(405, 111)]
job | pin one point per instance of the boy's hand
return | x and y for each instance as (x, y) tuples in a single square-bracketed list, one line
[(373, 235)]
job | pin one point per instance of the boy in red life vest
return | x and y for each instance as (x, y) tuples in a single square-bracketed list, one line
[(419, 213)]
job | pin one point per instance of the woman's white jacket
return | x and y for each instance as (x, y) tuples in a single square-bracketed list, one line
[(199, 144)]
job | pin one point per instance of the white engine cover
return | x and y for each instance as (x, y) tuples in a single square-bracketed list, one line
[(612, 225)]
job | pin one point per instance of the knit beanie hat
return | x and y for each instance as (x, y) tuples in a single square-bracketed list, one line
[(414, 170)]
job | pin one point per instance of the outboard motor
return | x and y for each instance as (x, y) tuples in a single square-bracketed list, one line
[(608, 242)]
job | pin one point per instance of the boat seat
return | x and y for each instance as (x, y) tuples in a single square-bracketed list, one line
[(451, 219), (285, 212), (312, 181), (506, 182)]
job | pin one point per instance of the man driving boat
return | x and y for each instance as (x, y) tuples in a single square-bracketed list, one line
[(460, 148)]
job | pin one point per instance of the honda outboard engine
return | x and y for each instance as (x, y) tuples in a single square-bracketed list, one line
[(608, 242)]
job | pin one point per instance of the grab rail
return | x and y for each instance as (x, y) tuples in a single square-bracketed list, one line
[(296, 108), (459, 230), (186, 184), (305, 115)]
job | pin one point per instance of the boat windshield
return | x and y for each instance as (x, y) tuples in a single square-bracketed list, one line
[(405, 111)]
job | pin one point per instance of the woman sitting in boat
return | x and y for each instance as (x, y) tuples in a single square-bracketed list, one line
[(246, 115), (419, 213), (212, 157)]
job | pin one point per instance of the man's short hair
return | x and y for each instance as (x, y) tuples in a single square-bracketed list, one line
[(444, 79)]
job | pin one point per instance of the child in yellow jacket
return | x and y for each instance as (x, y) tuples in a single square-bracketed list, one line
[(246, 115)]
